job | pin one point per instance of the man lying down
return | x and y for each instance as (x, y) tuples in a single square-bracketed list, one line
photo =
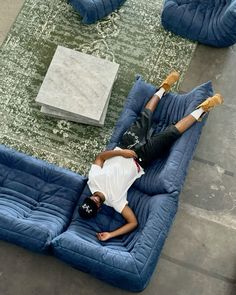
[(113, 172)]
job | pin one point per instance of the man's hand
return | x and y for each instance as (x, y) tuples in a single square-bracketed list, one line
[(103, 156), (129, 154), (131, 224), (104, 236)]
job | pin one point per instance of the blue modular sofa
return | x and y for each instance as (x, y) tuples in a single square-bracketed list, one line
[(37, 200), (211, 22), (93, 10)]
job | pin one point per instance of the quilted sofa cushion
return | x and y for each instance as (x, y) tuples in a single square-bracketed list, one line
[(129, 261), (93, 10), (210, 22), (37, 199)]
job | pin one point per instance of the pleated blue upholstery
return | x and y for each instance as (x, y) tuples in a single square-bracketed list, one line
[(211, 22), (129, 261), (93, 10), (37, 199)]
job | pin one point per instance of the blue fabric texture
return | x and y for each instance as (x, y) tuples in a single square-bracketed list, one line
[(93, 10), (37, 199), (129, 261), (211, 22)]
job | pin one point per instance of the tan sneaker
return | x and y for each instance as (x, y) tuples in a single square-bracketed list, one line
[(170, 80), (211, 102)]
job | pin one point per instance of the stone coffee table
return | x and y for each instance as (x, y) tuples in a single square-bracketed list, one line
[(77, 87)]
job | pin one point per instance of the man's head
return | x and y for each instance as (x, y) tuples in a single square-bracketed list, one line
[(90, 206)]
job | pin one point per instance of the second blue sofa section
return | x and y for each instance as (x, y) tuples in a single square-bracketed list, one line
[(37, 199), (211, 22)]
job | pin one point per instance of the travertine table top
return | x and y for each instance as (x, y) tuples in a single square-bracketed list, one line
[(77, 84)]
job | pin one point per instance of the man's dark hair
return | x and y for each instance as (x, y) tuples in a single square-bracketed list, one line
[(88, 209)]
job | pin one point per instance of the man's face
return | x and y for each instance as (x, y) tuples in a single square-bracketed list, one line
[(97, 200)]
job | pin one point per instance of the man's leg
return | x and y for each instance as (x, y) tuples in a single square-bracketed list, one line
[(138, 131), (165, 87), (158, 145), (202, 109)]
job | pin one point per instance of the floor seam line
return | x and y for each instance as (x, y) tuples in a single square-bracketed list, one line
[(198, 269)]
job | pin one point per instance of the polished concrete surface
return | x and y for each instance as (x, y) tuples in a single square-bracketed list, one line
[(199, 256)]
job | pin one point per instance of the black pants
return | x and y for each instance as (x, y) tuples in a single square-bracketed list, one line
[(147, 146)]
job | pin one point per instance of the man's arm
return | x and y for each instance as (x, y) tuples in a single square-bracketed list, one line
[(103, 156), (131, 224)]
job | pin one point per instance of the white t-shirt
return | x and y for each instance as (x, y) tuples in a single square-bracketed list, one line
[(114, 179)]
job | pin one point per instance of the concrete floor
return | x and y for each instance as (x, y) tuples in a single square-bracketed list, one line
[(199, 256)]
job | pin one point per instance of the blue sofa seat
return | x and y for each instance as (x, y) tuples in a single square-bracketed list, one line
[(93, 10), (126, 262), (37, 199), (129, 261), (211, 22)]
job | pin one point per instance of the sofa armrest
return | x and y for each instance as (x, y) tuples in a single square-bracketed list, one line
[(147, 248)]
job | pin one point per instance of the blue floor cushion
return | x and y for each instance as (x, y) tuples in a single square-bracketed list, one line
[(129, 261), (211, 22), (93, 10), (37, 199)]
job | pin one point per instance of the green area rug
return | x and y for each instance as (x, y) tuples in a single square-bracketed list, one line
[(132, 37)]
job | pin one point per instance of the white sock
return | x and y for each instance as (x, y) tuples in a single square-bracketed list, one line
[(160, 92), (197, 113)]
